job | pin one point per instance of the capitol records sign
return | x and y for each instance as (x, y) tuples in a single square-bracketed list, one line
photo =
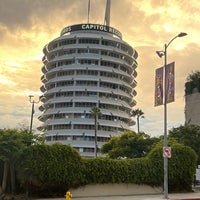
[(91, 27)]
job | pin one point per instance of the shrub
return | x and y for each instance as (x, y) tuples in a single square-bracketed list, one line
[(50, 167), (181, 166), (53, 168)]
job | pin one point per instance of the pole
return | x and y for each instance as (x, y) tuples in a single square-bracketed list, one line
[(32, 112), (95, 137), (160, 54), (165, 126)]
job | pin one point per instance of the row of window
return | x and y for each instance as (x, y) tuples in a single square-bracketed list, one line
[(124, 68), (82, 127), (75, 138), (89, 73), (129, 60), (114, 86), (90, 93), (88, 105), (95, 41), (86, 116)]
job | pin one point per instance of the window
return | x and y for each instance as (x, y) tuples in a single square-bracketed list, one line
[(88, 41), (63, 105), (87, 72), (109, 64), (65, 83), (70, 51), (65, 73), (64, 94), (87, 61), (67, 42), (86, 83), (62, 126), (109, 43)]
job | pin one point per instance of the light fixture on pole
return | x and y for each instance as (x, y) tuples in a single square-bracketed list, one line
[(32, 110), (161, 54)]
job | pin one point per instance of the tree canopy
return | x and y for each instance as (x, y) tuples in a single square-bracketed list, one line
[(188, 135), (13, 141), (138, 113), (181, 165), (129, 144), (193, 81)]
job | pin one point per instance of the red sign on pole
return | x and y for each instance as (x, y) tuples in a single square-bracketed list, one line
[(167, 152)]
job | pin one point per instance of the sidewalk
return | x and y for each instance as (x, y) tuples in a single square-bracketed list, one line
[(178, 196)]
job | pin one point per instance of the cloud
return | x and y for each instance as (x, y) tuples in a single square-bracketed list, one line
[(26, 26)]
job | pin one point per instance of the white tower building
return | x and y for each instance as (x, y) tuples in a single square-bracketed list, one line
[(88, 66)]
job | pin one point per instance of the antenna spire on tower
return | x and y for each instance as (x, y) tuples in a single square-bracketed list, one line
[(107, 13), (88, 12)]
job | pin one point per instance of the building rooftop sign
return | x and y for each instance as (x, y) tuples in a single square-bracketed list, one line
[(91, 27)]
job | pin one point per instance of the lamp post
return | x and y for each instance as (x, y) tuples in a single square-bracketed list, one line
[(32, 111), (160, 54)]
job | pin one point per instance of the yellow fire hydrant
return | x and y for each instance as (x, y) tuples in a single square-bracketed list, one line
[(68, 196)]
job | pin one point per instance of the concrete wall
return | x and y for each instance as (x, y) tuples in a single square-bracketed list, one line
[(114, 189), (192, 108)]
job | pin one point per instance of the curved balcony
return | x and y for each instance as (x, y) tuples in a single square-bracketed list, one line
[(42, 108), (134, 83), (44, 70), (43, 79), (134, 92), (43, 89), (133, 103), (134, 74)]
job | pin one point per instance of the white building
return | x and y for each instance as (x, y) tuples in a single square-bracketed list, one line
[(88, 65)]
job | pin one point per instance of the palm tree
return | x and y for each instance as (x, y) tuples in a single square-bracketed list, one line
[(138, 113), (96, 113)]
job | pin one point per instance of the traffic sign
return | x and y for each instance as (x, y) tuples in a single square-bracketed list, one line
[(167, 152)]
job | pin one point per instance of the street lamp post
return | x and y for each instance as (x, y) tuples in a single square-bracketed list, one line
[(33, 102), (160, 54)]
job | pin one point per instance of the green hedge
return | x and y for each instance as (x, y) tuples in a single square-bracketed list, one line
[(60, 166), (181, 167), (50, 167)]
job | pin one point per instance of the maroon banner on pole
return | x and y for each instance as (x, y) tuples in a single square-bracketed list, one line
[(170, 82), (159, 87)]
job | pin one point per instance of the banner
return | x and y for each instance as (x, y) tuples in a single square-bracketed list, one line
[(159, 87), (170, 82)]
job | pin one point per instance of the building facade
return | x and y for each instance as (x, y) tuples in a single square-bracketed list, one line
[(87, 66), (192, 107)]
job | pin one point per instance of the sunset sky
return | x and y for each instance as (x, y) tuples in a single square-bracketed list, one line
[(27, 25)]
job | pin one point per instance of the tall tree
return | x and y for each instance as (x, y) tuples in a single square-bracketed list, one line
[(193, 81), (129, 144), (9, 149), (188, 135), (138, 113), (95, 111), (12, 142)]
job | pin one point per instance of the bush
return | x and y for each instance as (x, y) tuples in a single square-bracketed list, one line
[(51, 167), (56, 168), (181, 166), (105, 170)]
